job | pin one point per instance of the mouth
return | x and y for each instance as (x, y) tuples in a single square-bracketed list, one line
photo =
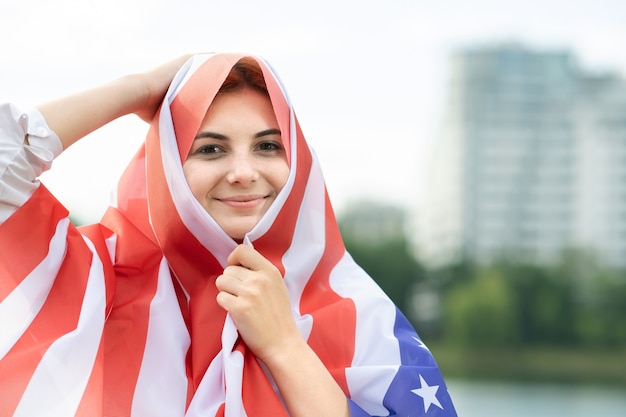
[(243, 201)]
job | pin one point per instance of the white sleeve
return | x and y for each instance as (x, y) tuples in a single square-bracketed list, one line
[(27, 148)]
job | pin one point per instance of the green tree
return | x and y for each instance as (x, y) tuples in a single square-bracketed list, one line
[(391, 265), (600, 321), (480, 312), (598, 317), (543, 301)]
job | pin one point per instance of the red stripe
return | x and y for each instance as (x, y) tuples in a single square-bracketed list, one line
[(334, 318), (92, 404), (193, 100), (25, 237), (58, 316), (259, 398), (131, 193), (136, 269)]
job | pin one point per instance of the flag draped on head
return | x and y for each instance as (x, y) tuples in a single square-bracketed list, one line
[(159, 343)]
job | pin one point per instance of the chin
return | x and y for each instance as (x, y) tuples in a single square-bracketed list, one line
[(239, 231), (236, 235)]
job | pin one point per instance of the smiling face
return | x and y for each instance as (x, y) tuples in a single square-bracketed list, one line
[(237, 164)]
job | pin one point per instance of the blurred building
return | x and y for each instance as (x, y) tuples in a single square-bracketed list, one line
[(371, 223), (531, 160)]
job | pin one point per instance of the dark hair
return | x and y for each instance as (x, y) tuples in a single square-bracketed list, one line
[(246, 73)]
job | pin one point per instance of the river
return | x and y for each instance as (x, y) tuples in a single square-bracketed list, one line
[(506, 399)]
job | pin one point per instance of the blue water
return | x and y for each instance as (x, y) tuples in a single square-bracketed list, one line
[(479, 399)]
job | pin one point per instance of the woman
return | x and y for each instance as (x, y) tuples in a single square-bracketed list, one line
[(217, 283)]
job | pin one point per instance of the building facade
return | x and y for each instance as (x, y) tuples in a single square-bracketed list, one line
[(531, 160)]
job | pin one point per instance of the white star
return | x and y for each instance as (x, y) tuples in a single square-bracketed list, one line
[(428, 394), (421, 344)]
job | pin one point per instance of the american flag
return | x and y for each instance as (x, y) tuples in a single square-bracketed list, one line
[(119, 318)]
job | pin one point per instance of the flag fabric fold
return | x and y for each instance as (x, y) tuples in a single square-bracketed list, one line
[(120, 318)]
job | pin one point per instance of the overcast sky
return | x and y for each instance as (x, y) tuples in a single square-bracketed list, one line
[(367, 77)]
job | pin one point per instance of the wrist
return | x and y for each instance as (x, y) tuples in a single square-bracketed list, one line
[(135, 93), (286, 354)]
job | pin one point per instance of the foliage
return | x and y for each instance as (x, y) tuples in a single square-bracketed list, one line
[(508, 319), (479, 313), (391, 265), (576, 302)]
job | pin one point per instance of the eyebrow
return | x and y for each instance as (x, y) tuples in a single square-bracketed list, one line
[(267, 132), (219, 136)]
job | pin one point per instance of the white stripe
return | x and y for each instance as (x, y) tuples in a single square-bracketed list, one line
[(161, 388), (233, 370), (210, 393), (111, 244), (368, 386), (278, 80), (376, 350), (308, 244), (22, 305), (224, 370), (183, 75), (58, 384)]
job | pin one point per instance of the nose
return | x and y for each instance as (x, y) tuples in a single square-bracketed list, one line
[(242, 170)]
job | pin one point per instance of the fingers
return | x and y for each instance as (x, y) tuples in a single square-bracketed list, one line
[(230, 285), (232, 280), (248, 279), (243, 282), (239, 294), (253, 292), (249, 258), (155, 84)]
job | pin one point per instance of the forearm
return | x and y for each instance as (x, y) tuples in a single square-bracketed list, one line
[(305, 384), (77, 115)]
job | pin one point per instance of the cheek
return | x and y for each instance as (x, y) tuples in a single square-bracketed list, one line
[(281, 175), (196, 179)]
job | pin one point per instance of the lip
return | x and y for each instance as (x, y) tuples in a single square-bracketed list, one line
[(243, 201)]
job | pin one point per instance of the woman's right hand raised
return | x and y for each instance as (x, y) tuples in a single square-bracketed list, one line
[(77, 115), (154, 85)]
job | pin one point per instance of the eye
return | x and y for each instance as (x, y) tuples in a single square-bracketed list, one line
[(270, 146), (208, 149)]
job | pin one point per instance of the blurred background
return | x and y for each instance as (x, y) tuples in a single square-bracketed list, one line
[(475, 153)]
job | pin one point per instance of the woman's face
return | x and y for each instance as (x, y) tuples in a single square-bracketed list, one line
[(237, 163)]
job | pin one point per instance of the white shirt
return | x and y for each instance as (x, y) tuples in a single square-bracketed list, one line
[(27, 148)]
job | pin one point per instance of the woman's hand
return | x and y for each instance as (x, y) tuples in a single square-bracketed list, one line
[(154, 85), (254, 293)]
